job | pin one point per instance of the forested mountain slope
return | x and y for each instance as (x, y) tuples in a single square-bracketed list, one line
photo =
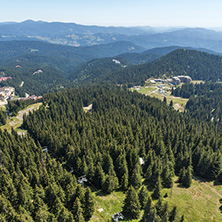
[(123, 126), (20, 59), (205, 101), (105, 143), (155, 53), (25, 80), (36, 187), (10, 49), (66, 33), (92, 71), (198, 65)]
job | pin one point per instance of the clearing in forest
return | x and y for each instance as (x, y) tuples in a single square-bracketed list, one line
[(161, 92), (15, 122), (199, 203)]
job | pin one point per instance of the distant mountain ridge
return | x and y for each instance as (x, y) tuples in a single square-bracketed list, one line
[(155, 53), (75, 55), (82, 35)]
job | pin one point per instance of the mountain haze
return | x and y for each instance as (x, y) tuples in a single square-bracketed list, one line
[(81, 35)]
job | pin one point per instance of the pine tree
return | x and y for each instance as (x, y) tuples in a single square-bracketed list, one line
[(173, 214), (136, 179), (99, 177), (181, 219), (111, 182), (143, 197), (152, 216), (159, 207), (164, 213), (78, 211), (167, 178), (89, 205), (185, 176), (23, 215), (156, 193), (131, 208), (147, 210), (182, 175), (65, 215), (125, 181), (188, 178), (79, 193), (122, 171), (107, 163)]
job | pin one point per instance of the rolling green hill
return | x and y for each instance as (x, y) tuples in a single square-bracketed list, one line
[(9, 49), (198, 65), (94, 70), (20, 59)]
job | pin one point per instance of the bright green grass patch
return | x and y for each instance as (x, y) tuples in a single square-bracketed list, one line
[(152, 90), (107, 205), (147, 90), (199, 203)]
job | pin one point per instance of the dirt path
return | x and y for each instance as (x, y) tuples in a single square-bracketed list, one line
[(154, 91), (17, 121), (19, 118)]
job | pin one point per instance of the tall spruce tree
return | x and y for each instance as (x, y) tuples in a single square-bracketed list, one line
[(188, 177), (136, 179), (89, 205), (78, 211), (156, 192), (143, 196), (167, 177), (131, 207), (99, 177), (147, 210), (173, 214)]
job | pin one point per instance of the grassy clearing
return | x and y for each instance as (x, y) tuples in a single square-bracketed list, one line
[(199, 203), (147, 90), (16, 121), (107, 205), (153, 91)]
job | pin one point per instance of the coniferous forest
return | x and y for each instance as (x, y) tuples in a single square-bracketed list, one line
[(107, 142), (35, 187), (115, 139)]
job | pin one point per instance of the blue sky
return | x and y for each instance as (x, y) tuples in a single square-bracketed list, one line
[(190, 13)]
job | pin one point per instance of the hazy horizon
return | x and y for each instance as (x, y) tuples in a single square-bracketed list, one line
[(160, 13), (135, 26)]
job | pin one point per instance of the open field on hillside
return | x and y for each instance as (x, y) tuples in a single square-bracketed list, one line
[(161, 92), (199, 203)]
